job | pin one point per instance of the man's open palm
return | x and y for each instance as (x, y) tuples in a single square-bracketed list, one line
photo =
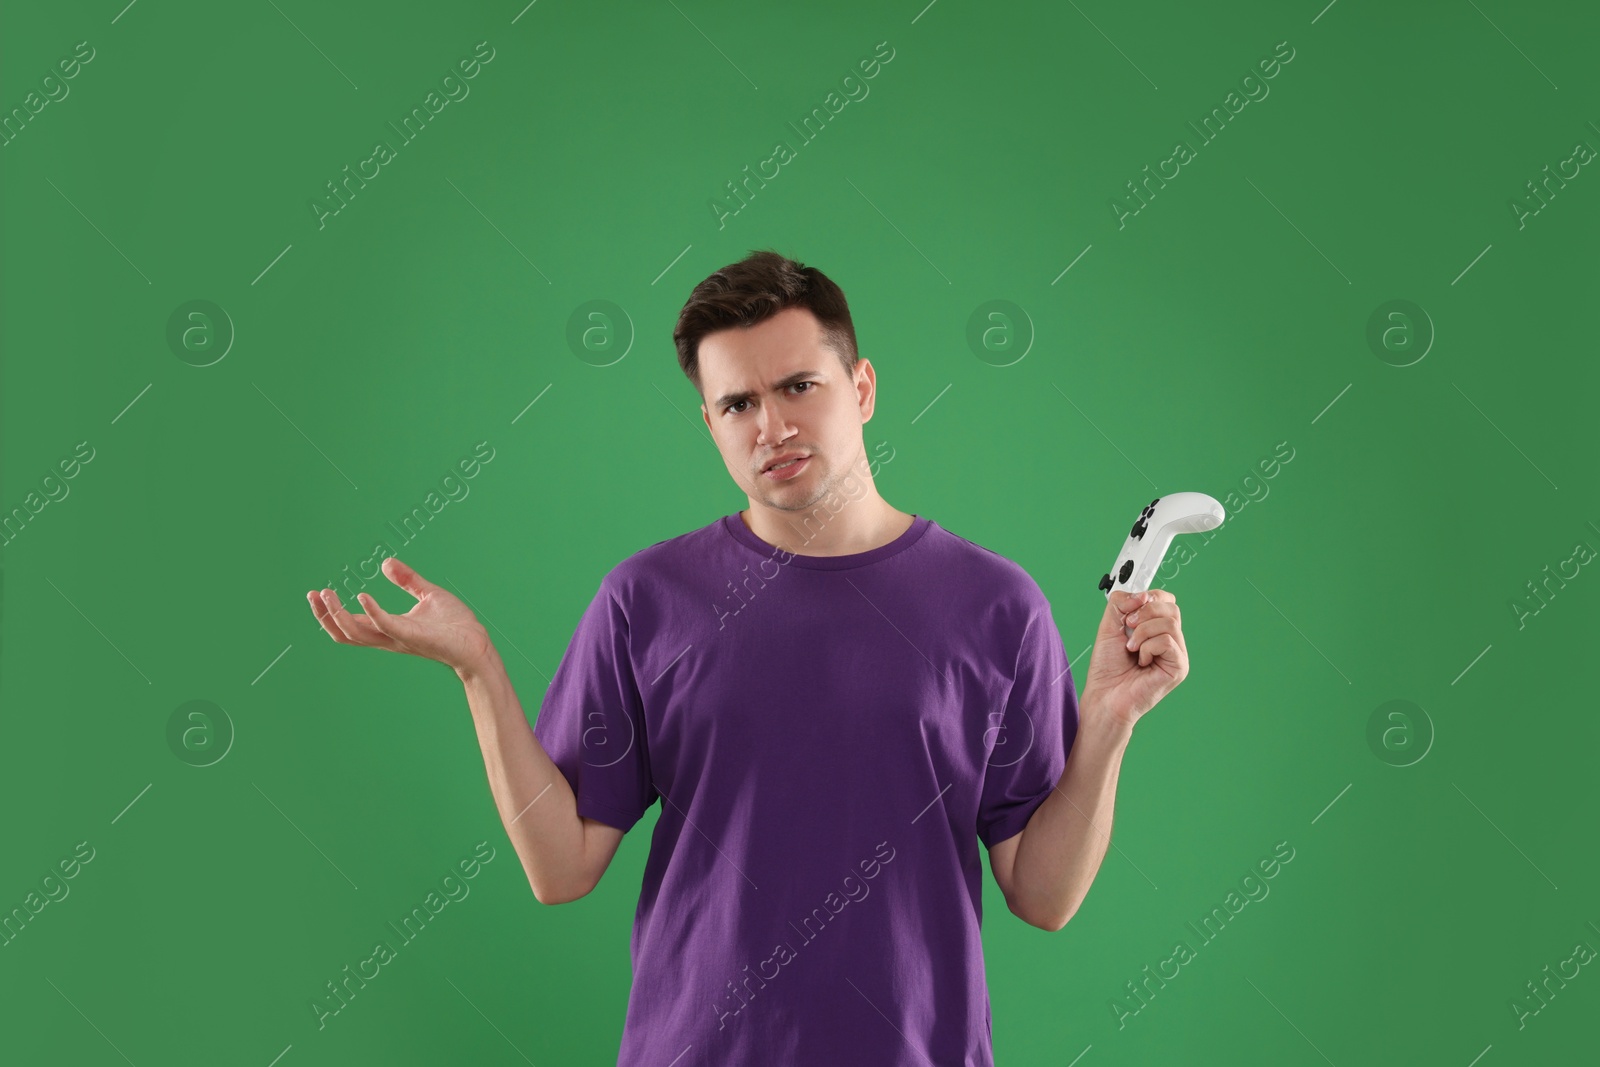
[(438, 627)]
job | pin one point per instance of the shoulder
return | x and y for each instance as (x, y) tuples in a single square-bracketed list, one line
[(662, 562), (989, 589), (1004, 577)]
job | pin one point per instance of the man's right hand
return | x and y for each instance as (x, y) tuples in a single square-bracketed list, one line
[(438, 627)]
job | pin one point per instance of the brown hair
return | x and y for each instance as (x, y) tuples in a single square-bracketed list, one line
[(752, 291)]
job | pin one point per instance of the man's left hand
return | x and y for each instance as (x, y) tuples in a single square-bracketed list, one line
[(1129, 675)]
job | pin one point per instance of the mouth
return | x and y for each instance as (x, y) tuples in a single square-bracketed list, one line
[(787, 469)]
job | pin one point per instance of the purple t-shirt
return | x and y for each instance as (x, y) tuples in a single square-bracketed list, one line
[(830, 737)]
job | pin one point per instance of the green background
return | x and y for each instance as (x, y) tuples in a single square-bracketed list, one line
[(1384, 562)]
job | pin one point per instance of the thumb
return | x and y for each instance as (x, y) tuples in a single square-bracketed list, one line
[(406, 578), (1118, 605)]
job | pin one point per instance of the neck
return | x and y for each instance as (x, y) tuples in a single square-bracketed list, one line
[(859, 525)]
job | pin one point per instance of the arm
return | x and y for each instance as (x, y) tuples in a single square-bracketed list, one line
[(563, 854), (1045, 871)]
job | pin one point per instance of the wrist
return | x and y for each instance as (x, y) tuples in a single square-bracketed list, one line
[(1096, 721), (480, 665)]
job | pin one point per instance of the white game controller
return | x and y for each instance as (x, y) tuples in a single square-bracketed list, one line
[(1152, 533)]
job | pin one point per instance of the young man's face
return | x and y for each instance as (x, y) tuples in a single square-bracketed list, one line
[(775, 389)]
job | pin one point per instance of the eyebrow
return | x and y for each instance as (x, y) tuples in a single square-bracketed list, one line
[(727, 399)]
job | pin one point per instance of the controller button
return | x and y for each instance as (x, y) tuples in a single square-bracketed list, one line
[(1127, 569), (1105, 581)]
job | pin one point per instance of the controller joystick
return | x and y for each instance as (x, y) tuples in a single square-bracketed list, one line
[(1158, 522)]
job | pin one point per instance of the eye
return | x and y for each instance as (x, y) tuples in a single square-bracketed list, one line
[(734, 407)]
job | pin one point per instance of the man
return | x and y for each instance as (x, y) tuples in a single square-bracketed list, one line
[(833, 700)]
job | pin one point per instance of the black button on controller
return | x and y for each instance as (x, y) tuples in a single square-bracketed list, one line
[(1139, 525)]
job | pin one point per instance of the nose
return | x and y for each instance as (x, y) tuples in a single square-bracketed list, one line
[(773, 426)]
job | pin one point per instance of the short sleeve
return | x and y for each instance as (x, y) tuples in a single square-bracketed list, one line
[(591, 721), (1035, 732)]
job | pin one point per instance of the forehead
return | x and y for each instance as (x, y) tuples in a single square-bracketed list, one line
[(749, 357)]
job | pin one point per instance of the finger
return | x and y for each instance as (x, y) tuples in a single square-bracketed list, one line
[(1155, 609), (382, 621), (320, 610), (1149, 628), (1117, 610), (1125, 601), (1159, 646), (1156, 638), (347, 623), (405, 577), (1161, 597)]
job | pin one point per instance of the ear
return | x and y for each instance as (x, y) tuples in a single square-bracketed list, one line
[(866, 383)]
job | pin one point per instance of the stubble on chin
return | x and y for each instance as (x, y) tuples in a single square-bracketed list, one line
[(773, 496)]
